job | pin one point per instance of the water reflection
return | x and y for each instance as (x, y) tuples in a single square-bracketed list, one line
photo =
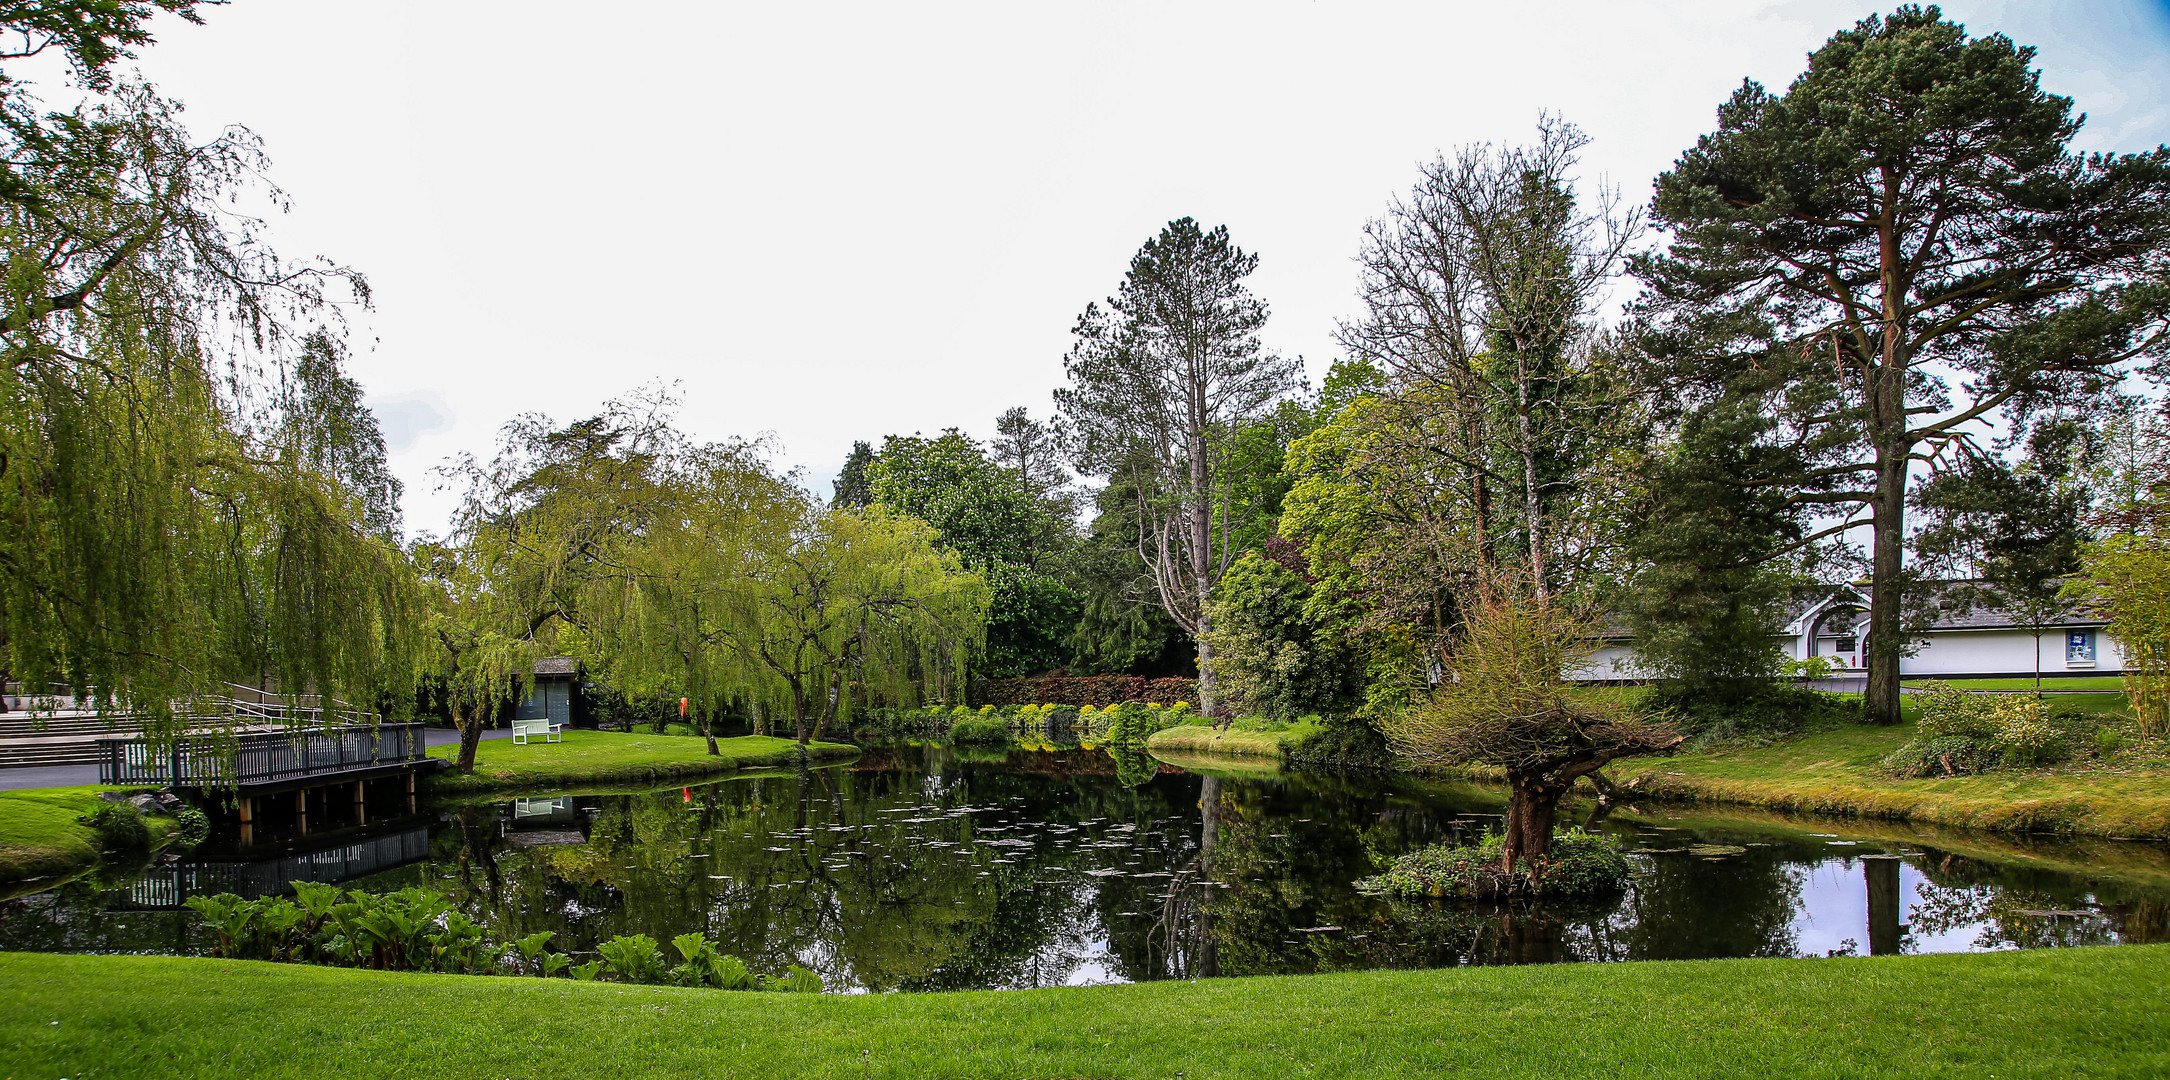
[(926, 868)]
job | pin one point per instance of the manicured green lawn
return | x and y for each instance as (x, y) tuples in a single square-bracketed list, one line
[(590, 758), (39, 836), (1836, 771), (2048, 1013), (2050, 683)]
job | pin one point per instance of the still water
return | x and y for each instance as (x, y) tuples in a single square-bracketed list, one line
[(933, 868)]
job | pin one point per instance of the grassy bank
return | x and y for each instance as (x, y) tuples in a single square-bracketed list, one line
[(1837, 771), (1240, 741), (41, 838), (2052, 1012), (611, 758)]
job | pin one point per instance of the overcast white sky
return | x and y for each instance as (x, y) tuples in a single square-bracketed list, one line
[(833, 221)]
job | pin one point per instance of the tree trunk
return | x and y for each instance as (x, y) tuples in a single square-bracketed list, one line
[(1884, 387), (1209, 835), (1201, 563), (708, 730), (1532, 804), (470, 736), (1887, 639), (828, 709)]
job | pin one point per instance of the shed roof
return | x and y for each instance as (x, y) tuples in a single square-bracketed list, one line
[(555, 665)]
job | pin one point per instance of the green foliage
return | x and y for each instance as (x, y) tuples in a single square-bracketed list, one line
[(119, 827), (1274, 652), (1709, 596), (797, 980), (985, 729), (1963, 732), (419, 930), (1748, 713), (1002, 528), (2126, 576), (195, 827), (1948, 712), (2025, 733), (1866, 260), (1342, 743), (1944, 755), (1578, 864)]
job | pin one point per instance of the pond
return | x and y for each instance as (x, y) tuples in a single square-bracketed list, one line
[(922, 867)]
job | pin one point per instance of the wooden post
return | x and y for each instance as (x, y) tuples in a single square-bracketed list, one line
[(410, 791), (248, 820), (301, 809)]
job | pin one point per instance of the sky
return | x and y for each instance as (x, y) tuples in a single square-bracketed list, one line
[(828, 222)]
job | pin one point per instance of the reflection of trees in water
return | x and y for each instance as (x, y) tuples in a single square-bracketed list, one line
[(1684, 908), (2023, 907)]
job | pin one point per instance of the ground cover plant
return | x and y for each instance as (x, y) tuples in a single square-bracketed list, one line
[(1578, 864), (2047, 1012), (588, 758), (415, 929)]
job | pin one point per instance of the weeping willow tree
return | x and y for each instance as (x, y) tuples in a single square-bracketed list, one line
[(665, 621), (192, 494), (689, 570), (840, 602)]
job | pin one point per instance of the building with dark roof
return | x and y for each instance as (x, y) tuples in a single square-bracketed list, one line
[(1963, 641)]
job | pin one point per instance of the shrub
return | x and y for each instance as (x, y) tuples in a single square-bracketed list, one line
[(195, 827), (119, 827), (980, 729), (2108, 741), (1341, 743), (1096, 690), (2024, 731), (1580, 864), (1949, 755), (1948, 712)]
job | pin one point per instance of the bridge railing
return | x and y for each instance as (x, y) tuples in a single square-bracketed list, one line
[(227, 760)]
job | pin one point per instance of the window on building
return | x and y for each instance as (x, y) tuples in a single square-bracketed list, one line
[(2080, 647), (1847, 644)]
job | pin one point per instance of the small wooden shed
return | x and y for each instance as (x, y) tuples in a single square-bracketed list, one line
[(558, 695)]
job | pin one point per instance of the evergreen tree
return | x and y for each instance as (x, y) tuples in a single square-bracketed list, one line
[(854, 482), (1158, 381), (1898, 249)]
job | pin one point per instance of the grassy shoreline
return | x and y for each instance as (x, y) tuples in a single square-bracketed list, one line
[(2050, 1012), (1203, 739), (599, 758), (41, 838)]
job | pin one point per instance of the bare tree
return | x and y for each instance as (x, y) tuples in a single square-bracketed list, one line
[(1159, 380), (1479, 288)]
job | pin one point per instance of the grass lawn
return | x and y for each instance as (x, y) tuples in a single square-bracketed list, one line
[(1836, 771), (40, 838), (2044, 1013), (2050, 683), (591, 758)]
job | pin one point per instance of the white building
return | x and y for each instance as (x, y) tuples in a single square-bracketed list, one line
[(1983, 643)]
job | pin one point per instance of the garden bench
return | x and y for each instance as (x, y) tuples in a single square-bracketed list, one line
[(521, 729)]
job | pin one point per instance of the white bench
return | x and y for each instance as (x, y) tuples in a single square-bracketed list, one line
[(521, 729)]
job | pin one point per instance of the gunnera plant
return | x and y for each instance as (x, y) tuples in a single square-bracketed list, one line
[(1579, 864)]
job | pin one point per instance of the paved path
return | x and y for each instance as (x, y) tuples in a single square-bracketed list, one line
[(77, 775)]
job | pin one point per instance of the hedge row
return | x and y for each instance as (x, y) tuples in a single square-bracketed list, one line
[(1098, 691)]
